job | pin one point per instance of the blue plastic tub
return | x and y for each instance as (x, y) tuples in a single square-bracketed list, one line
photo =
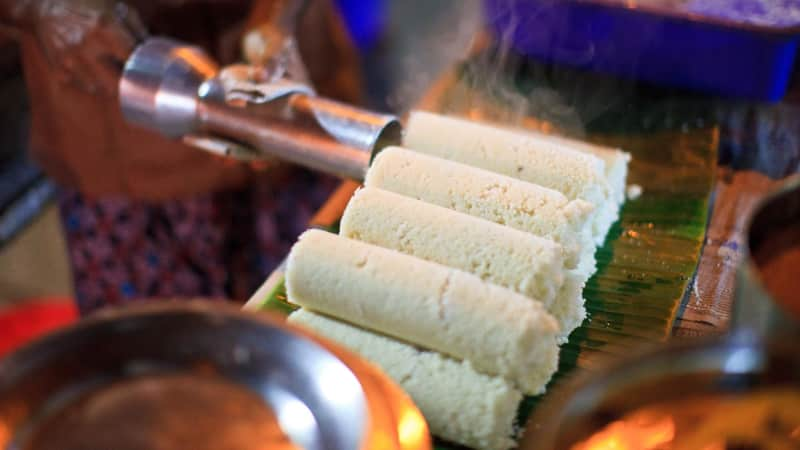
[(729, 51), (365, 20)]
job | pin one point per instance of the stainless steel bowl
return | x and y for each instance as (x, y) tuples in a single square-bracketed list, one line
[(733, 365), (199, 376), (755, 308)]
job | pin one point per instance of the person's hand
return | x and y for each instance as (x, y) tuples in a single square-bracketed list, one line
[(86, 41), (270, 40), (266, 46), (306, 41)]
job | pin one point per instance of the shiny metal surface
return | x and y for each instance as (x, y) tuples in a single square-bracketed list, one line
[(158, 88), (199, 376), (732, 364), (177, 91), (754, 308)]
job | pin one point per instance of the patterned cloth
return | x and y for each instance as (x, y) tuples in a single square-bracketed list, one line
[(219, 245)]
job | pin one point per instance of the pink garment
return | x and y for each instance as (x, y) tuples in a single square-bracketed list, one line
[(213, 246)]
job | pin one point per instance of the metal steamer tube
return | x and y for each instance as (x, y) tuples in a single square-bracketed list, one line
[(178, 91)]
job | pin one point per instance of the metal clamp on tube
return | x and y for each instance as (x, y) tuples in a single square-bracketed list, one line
[(177, 91)]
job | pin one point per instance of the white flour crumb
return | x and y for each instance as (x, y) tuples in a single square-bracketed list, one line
[(634, 191)]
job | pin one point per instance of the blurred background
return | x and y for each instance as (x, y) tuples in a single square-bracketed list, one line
[(538, 65), (403, 45)]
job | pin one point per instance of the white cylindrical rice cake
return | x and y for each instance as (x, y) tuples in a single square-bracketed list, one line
[(616, 160), (497, 330), (569, 309), (528, 264), (516, 154), (459, 404), (491, 196)]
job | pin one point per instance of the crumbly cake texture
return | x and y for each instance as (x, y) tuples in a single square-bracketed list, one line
[(461, 266), (491, 196), (499, 331), (525, 263), (570, 311), (616, 160), (578, 175), (459, 403)]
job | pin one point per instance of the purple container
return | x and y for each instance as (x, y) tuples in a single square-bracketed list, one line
[(734, 48), (365, 19)]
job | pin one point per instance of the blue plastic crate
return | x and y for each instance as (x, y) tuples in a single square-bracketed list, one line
[(365, 20), (729, 52)]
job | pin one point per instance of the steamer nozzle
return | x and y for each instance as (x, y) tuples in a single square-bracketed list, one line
[(242, 112)]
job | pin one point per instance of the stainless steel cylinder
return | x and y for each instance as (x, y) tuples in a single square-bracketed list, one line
[(159, 86), (173, 89), (767, 234), (316, 133)]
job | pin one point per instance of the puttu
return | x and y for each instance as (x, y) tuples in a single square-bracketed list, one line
[(497, 330), (528, 264), (616, 160), (516, 154), (569, 309), (459, 404), (491, 196)]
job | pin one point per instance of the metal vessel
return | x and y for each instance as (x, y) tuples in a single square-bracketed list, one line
[(719, 47), (201, 376), (755, 308), (734, 366), (248, 112)]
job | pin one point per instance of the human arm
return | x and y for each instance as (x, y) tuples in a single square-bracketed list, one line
[(85, 41)]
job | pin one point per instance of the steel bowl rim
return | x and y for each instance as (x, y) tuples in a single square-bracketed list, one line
[(375, 385), (787, 186), (542, 429)]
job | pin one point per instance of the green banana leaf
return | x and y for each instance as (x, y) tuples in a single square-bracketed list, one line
[(652, 252)]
